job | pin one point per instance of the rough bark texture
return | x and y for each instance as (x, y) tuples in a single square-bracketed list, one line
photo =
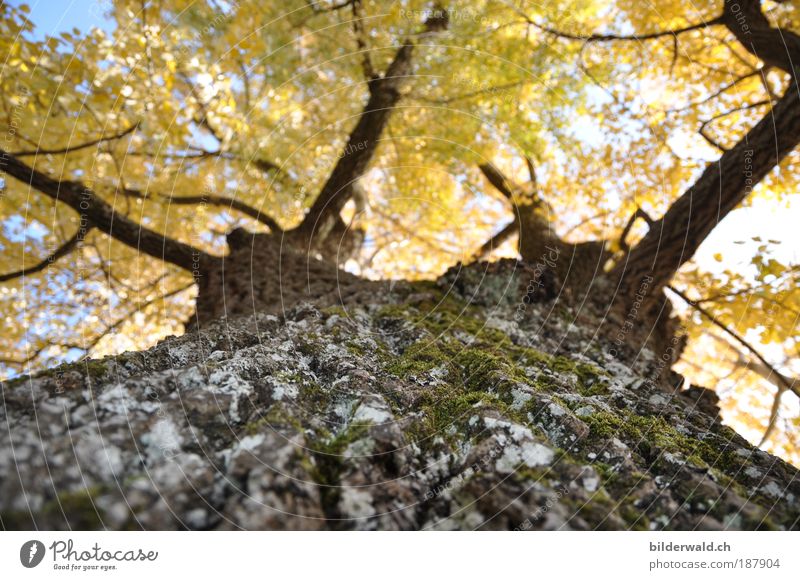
[(265, 273), (478, 401)]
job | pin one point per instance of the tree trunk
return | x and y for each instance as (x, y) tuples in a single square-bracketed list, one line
[(472, 402)]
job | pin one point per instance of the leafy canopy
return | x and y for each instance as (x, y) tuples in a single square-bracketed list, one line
[(255, 99)]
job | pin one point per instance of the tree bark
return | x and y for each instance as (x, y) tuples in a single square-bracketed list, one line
[(399, 407)]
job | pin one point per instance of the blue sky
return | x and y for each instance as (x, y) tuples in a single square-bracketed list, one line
[(52, 17)]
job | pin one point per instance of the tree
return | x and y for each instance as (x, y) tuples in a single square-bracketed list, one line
[(245, 152)]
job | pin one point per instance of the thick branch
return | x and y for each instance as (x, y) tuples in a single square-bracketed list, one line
[(361, 146), (101, 215), (777, 47), (674, 239), (363, 140), (499, 181), (497, 240)]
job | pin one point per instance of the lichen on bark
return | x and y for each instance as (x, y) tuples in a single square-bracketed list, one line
[(412, 406)]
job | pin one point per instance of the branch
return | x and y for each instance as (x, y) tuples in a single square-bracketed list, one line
[(334, 7), (499, 181), (710, 140), (720, 91), (534, 180), (101, 215), (492, 90), (106, 270), (202, 120), (616, 37), (26, 360), (497, 240), (65, 150), (230, 202), (361, 43), (59, 252), (411, 232), (511, 190), (773, 416), (623, 238), (361, 145), (111, 328), (719, 116), (787, 383), (747, 364)]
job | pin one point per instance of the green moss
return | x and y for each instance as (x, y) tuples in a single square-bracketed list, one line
[(479, 369), (603, 426), (355, 349), (326, 469), (762, 523), (309, 345), (276, 417), (95, 368), (596, 510), (544, 475), (591, 379), (16, 520), (78, 507), (457, 338), (313, 397), (636, 519), (468, 368), (446, 316), (532, 357), (447, 411), (419, 358), (484, 367), (652, 435), (92, 368), (402, 311), (334, 311), (291, 377), (335, 445)]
